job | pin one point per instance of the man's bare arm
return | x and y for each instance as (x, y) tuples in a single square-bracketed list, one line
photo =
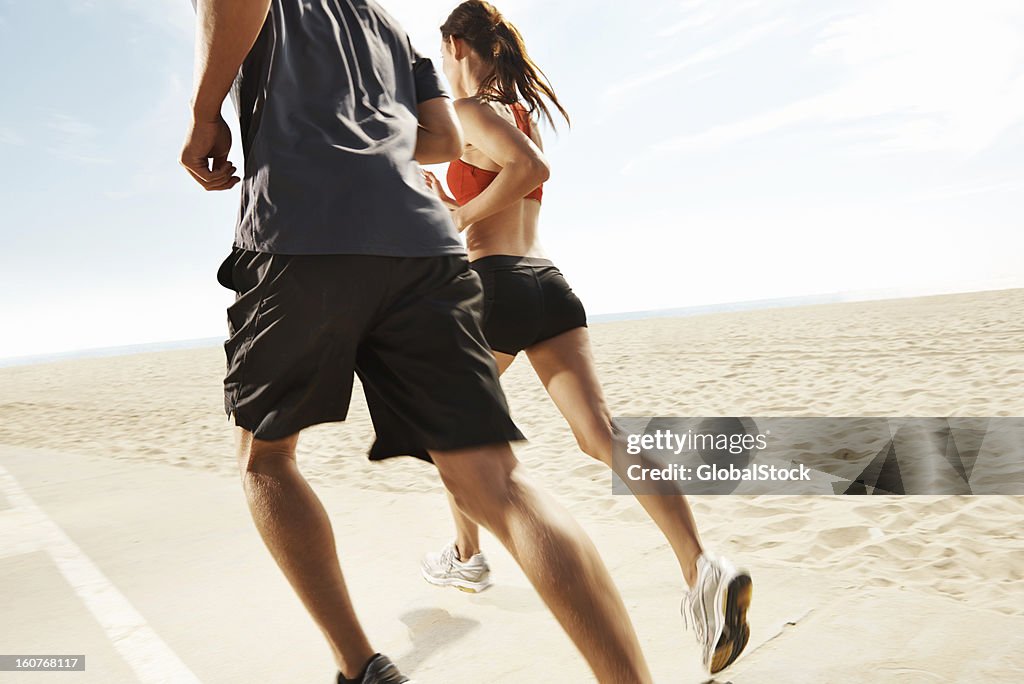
[(225, 32), (439, 138)]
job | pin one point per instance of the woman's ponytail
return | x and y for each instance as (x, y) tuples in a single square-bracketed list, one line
[(515, 77)]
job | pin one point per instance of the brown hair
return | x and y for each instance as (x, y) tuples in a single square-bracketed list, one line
[(499, 43)]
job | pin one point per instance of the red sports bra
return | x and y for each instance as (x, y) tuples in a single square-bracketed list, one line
[(467, 181)]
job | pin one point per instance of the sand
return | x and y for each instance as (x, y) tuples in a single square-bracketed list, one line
[(865, 589)]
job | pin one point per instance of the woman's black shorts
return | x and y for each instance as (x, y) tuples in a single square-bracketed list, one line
[(526, 300)]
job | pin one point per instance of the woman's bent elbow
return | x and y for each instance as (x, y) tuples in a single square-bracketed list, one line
[(540, 170)]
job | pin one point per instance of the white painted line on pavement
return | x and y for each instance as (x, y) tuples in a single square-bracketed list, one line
[(25, 528)]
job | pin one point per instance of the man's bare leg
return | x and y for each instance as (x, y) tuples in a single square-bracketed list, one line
[(297, 531), (489, 485), (467, 532)]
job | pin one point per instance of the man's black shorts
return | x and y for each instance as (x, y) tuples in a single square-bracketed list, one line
[(409, 327)]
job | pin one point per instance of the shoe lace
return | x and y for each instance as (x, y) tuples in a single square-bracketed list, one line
[(448, 556), (690, 620)]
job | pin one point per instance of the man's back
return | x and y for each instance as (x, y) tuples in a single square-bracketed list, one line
[(327, 101)]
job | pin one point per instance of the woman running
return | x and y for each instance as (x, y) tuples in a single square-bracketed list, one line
[(529, 307)]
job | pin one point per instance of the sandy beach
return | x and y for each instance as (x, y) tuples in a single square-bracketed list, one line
[(127, 462)]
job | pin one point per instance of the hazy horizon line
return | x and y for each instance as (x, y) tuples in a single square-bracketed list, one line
[(672, 312)]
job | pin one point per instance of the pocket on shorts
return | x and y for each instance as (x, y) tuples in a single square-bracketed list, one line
[(225, 272), (249, 274)]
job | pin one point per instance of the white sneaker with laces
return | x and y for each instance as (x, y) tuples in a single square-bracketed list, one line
[(717, 607), (445, 569)]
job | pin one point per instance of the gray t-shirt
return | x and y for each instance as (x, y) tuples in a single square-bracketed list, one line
[(327, 104)]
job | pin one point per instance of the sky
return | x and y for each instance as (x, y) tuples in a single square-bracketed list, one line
[(719, 152)]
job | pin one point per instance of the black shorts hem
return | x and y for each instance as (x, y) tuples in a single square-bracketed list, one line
[(510, 353), (381, 453), (277, 431), (376, 452), (551, 336)]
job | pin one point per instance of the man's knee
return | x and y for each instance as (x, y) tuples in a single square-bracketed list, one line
[(484, 482), (257, 455), (487, 508)]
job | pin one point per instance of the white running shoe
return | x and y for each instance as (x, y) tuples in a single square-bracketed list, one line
[(446, 570), (717, 607)]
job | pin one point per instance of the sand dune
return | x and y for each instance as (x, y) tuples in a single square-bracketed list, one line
[(901, 589)]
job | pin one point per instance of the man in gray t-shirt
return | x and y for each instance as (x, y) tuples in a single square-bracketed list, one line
[(328, 130), (329, 127), (343, 263)]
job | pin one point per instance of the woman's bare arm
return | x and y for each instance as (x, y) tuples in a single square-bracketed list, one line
[(523, 166)]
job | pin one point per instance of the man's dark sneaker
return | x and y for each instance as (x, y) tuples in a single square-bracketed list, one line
[(380, 670)]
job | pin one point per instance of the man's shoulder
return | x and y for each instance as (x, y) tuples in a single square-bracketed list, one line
[(385, 22)]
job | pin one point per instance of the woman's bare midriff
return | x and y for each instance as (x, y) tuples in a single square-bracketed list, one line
[(512, 231)]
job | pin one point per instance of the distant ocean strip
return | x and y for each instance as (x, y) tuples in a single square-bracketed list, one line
[(599, 318)]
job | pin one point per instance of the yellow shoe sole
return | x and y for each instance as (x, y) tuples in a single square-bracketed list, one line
[(737, 631)]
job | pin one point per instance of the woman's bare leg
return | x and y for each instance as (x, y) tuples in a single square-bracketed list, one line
[(565, 365)]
